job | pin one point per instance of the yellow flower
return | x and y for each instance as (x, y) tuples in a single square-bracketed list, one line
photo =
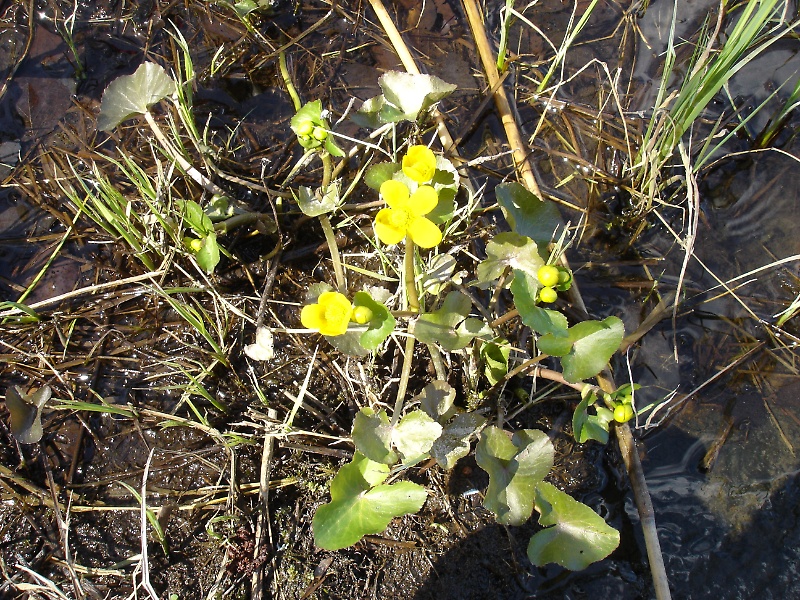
[(330, 315), (419, 164), (405, 215)]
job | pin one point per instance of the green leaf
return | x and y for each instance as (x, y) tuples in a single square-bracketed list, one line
[(576, 535), (380, 326), (495, 356), (372, 436), (26, 412), (527, 214), (414, 435), (514, 466), (219, 208), (412, 93), (436, 399), (453, 443), (359, 506), (195, 217), (441, 326), (318, 202), (509, 250), (438, 273), (445, 181), (208, 256), (525, 289), (134, 94), (378, 174), (554, 345), (349, 343), (586, 426), (594, 343)]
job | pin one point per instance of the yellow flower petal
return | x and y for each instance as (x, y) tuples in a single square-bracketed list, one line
[(312, 316), (419, 163), (424, 233), (395, 193), (423, 201), (388, 226)]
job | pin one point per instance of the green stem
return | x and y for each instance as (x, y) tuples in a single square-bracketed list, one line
[(402, 387), (330, 238), (410, 276), (327, 228), (287, 80), (239, 220)]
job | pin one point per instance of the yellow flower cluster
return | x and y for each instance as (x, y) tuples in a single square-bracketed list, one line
[(405, 215)]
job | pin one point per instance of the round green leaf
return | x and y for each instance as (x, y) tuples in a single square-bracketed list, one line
[(527, 214), (380, 326), (372, 436), (576, 535), (134, 94), (514, 466), (595, 342), (359, 506), (414, 435)]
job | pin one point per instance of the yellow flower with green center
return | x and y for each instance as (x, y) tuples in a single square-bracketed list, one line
[(330, 315), (419, 164), (405, 215)]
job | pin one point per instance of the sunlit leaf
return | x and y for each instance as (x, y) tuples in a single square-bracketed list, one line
[(413, 93), (509, 250), (442, 325), (594, 343), (414, 435), (360, 506), (372, 436), (26, 412), (264, 346), (453, 444), (495, 357), (587, 426), (439, 272), (436, 399), (528, 215), (208, 256), (575, 537), (134, 94), (316, 202), (380, 326), (514, 466), (376, 175)]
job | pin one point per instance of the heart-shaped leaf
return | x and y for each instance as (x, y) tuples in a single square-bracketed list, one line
[(527, 214), (586, 426), (441, 326), (509, 250), (495, 357), (378, 174), (594, 343), (436, 399), (405, 96), (134, 94), (379, 326), (525, 288), (26, 412), (414, 435), (575, 537), (514, 466), (359, 506), (372, 436), (453, 443), (318, 202)]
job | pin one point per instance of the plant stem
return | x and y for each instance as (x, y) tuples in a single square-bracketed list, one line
[(411, 278), (287, 80), (327, 228), (412, 300), (402, 387)]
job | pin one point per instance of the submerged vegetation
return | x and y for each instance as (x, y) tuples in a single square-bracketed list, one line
[(296, 315)]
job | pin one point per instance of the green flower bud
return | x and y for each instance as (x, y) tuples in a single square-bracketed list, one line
[(361, 315), (623, 413), (319, 133), (305, 128)]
